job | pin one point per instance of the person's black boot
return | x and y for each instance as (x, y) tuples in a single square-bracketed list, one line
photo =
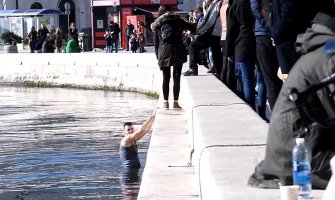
[(191, 72)]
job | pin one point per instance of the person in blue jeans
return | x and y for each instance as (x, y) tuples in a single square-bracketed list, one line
[(240, 47), (115, 30), (108, 38)]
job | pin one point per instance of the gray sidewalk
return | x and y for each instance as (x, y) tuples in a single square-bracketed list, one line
[(228, 139), (166, 174)]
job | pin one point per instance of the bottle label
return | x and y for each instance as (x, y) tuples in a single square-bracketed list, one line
[(301, 173)]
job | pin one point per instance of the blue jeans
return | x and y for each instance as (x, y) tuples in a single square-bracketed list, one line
[(109, 49), (246, 79), (115, 45), (261, 101)]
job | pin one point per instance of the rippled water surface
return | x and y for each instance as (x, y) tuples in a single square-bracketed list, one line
[(63, 143)]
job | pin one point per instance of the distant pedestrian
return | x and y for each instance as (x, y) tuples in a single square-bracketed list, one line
[(133, 43), (32, 39), (115, 31), (73, 33), (48, 45), (129, 30), (140, 31), (108, 40), (72, 46), (59, 35)]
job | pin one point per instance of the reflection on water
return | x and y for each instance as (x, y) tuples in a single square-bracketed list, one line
[(129, 182), (63, 143)]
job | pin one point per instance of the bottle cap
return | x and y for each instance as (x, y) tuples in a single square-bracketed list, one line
[(300, 140)]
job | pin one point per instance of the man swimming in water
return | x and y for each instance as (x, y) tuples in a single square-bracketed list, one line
[(128, 147)]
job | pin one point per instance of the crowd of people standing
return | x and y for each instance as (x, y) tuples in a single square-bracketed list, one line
[(47, 41)]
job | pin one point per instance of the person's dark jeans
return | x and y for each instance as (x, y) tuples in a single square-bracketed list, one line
[(176, 81), (128, 40), (202, 42), (246, 71), (227, 75), (115, 45), (287, 56), (267, 59), (261, 93)]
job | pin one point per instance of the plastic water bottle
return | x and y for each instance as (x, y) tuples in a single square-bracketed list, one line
[(302, 169)]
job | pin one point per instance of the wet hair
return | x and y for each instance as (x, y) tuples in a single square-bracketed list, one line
[(163, 9), (127, 124)]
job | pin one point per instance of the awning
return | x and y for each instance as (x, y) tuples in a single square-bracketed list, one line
[(153, 9), (30, 12)]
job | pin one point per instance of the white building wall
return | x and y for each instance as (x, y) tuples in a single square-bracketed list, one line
[(8, 4)]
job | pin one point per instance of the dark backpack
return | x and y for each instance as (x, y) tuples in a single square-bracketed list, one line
[(267, 12), (170, 34)]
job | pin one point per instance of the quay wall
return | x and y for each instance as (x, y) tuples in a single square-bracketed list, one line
[(127, 72)]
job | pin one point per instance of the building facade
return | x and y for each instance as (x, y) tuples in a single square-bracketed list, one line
[(80, 11)]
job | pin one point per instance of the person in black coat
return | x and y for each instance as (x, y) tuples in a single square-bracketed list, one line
[(170, 51), (290, 18), (115, 31), (129, 30), (241, 47)]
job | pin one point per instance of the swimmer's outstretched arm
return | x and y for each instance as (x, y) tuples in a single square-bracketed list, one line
[(145, 127)]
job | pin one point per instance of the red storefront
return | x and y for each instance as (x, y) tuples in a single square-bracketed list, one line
[(120, 11)]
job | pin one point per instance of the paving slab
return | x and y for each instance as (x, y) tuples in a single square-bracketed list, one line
[(166, 174), (224, 172)]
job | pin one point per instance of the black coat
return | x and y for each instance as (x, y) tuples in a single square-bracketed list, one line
[(170, 53), (292, 17), (240, 39)]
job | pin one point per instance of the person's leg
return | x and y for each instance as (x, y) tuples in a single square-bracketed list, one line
[(176, 85), (196, 45), (116, 43), (239, 82), (176, 81), (268, 63), (261, 97), (211, 69), (287, 56), (247, 70), (166, 82), (216, 52), (112, 47), (128, 39)]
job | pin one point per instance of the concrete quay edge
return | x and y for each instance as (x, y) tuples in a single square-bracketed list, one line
[(228, 139)]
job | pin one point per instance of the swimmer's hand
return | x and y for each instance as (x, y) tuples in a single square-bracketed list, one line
[(154, 113)]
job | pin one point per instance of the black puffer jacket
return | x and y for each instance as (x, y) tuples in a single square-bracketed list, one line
[(170, 53)]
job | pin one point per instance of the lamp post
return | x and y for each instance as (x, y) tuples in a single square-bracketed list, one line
[(67, 6)]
